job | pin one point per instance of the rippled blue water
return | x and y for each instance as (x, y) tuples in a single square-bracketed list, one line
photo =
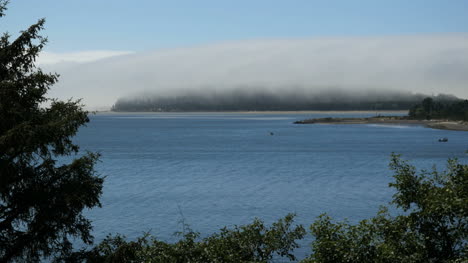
[(222, 169)]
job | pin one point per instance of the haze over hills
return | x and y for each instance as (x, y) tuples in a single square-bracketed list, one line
[(257, 99), (276, 69)]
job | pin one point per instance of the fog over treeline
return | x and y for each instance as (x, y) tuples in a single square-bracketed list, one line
[(280, 70), (290, 99)]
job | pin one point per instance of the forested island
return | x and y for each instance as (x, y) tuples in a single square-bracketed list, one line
[(264, 100)]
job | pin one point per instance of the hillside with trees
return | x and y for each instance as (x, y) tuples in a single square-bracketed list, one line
[(264, 100), (433, 108)]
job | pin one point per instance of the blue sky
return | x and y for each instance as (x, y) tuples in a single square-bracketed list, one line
[(148, 25)]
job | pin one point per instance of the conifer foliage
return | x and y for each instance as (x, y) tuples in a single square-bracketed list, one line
[(41, 198)]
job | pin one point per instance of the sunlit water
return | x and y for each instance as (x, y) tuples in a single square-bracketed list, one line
[(221, 169)]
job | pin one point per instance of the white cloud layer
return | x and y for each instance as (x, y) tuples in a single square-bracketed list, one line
[(48, 58), (424, 64)]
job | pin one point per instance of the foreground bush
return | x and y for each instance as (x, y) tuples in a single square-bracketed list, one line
[(255, 242), (433, 225)]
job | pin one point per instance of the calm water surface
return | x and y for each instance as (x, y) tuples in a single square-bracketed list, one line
[(220, 169)]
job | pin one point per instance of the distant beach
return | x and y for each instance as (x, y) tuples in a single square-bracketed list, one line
[(393, 120)]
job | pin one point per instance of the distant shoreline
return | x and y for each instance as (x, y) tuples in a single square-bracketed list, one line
[(261, 112), (392, 120)]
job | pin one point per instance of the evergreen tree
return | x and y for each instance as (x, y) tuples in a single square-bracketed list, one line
[(41, 199)]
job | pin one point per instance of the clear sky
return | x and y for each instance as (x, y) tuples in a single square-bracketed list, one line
[(151, 24)]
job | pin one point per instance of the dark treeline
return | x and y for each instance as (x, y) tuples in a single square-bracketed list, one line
[(431, 108), (239, 100)]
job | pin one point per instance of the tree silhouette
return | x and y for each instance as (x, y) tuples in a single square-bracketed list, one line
[(43, 190)]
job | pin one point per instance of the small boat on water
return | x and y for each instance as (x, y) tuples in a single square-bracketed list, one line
[(445, 139)]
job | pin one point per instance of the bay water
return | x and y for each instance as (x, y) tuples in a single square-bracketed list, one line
[(211, 170)]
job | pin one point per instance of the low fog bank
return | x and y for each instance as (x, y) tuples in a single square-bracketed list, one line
[(258, 99), (420, 64)]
